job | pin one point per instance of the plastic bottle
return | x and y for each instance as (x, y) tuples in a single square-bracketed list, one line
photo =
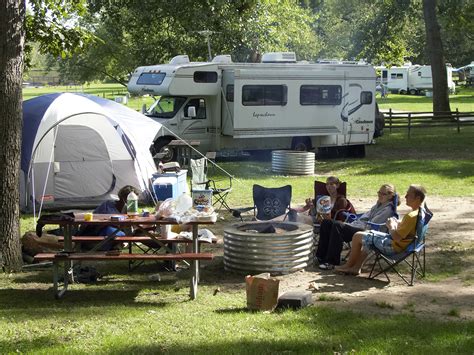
[(132, 205)]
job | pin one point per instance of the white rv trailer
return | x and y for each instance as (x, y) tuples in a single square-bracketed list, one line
[(412, 79), (276, 104)]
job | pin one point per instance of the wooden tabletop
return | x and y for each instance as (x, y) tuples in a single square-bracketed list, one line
[(105, 219)]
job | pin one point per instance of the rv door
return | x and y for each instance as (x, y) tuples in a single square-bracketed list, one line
[(193, 122)]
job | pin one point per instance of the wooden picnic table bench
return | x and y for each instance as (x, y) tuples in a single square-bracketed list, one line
[(96, 256)]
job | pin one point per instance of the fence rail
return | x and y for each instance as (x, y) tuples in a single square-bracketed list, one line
[(411, 120)]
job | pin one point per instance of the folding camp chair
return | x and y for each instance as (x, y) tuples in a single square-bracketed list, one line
[(200, 181), (269, 203), (413, 255)]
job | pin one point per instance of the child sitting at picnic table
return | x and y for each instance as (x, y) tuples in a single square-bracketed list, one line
[(109, 207)]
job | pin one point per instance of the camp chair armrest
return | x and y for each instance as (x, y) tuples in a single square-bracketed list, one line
[(213, 182), (237, 212), (339, 213), (375, 226)]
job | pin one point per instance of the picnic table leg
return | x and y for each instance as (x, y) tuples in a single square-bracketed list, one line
[(195, 266), (58, 293), (68, 265)]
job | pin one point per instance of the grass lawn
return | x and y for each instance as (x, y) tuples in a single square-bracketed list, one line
[(131, 315), (127, 313), (463, 100)]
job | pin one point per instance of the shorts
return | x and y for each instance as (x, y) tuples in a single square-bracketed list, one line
[(378, 241)]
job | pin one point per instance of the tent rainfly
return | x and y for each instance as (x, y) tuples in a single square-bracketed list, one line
[(78, 150)]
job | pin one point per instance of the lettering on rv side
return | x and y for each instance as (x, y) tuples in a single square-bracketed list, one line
[(359, 121), (263, 115)]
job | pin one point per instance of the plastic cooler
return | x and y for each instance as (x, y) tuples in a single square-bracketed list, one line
[(169, 185)]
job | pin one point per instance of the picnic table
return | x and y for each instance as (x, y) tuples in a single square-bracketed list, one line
[(184, 150), (142, 224)]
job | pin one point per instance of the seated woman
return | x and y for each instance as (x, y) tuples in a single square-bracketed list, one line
[(339, 202), (399, 236), (333, 234)]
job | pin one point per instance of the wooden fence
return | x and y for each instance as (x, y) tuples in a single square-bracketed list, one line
[(411, 120)]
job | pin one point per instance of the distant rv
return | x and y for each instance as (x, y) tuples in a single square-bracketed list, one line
[(412, 79), (276, 104)]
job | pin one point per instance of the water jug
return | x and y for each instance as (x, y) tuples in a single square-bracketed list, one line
[(132, 204)]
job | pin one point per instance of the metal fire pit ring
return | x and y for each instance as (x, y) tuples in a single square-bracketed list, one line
[(287, 250)]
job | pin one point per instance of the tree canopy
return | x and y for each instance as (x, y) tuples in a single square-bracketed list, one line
[(117, 36)]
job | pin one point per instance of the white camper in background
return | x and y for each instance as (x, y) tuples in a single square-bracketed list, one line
[(277, 104), (412, 79), (468, 73)]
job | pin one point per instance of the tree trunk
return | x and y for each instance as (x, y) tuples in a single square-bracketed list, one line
[(434, 48), (12, 39)]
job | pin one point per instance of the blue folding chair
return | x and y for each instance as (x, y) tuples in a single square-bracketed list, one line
[(413, 255), (269, 203)]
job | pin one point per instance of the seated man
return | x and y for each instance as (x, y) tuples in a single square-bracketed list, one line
[(399, 236)]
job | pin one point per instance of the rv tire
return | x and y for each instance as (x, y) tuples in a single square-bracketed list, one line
[(301, 143), (413, 92), (162, 151), (402, 92)]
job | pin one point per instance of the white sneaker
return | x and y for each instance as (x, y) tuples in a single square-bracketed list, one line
[(326, 266)]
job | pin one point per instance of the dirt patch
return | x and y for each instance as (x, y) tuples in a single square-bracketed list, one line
[(450, 244)]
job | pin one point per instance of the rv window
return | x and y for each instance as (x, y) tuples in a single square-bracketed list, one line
[(205, 77), (151, 78), (365, 97), (166, 107), (229, 96), (264, 95), (396, 76), (320, 94), (199, 104)]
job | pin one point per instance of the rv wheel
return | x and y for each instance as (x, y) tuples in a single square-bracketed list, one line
[(162, 152), (301, 143), (167, 154), (413, 92), (402, 92)]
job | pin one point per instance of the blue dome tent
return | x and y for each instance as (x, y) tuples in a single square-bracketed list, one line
[(78, 150)]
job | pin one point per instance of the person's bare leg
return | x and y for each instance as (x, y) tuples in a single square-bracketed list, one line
[(356, 249), (355, 270)]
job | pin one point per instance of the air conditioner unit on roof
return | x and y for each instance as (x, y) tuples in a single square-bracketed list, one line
[(279, 57), (180, 59)]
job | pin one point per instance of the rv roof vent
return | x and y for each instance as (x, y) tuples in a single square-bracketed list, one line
[(279, 57), (223, 59), (180, 59)]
